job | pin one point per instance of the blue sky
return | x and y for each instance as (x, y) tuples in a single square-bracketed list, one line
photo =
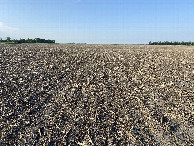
[(98, 21)]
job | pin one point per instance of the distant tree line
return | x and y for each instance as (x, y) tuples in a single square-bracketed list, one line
[(171, 43), (36, 40)]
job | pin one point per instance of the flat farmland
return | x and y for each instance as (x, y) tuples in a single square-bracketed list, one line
[(54, 94)]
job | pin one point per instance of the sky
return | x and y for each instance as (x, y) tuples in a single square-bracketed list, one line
[(98, 21)]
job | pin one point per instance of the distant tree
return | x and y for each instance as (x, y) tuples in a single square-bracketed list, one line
[(42, 41), (171, 43), (14, 41), (37, 40), (22, 40), (8, 39), (28, 40)]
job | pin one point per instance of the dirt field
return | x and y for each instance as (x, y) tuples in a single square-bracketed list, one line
[(96, 95)]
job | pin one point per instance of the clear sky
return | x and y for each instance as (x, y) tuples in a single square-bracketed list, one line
[(98, 21)]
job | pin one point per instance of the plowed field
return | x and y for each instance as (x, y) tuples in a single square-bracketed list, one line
[(96, 95)]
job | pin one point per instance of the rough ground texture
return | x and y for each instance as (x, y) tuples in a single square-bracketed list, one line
[(96, 95)]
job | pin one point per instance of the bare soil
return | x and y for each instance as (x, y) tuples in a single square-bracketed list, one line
[(52, 94)]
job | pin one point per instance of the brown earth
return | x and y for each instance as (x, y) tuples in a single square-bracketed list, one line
[(53, 94)]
